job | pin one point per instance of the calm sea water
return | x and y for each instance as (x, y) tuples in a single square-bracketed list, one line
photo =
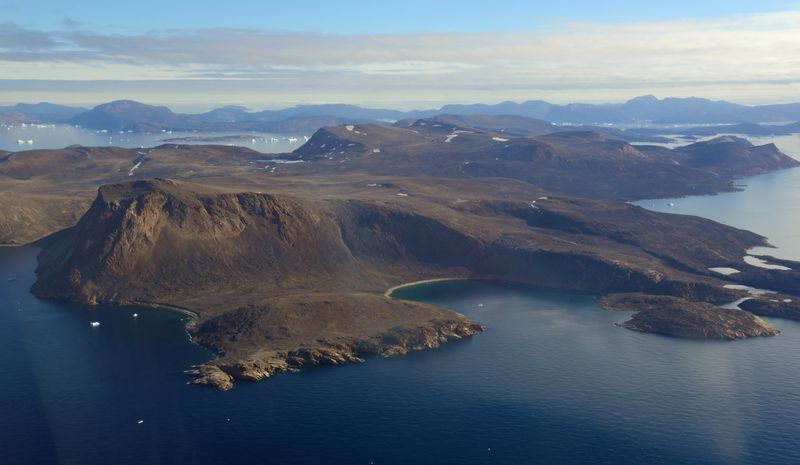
[(769, 205), (29, 137), (552, 380)]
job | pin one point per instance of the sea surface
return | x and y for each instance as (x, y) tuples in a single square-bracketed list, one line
[(768, 205), (552, 380), (49, 136)]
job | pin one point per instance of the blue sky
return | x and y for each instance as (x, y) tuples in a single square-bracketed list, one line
[(371, 17), (195, 55)]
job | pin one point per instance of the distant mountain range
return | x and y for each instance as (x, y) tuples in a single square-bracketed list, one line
[(131, 115)]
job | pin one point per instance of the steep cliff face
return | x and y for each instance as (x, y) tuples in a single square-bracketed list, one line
[(150, 238)]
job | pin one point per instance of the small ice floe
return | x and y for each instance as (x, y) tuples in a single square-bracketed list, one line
[(787, 301), (761, 263), (724, 270), (94, 324), (450, 138), (670, 204), (774, 300), (140, 422), (293, 139), (543, 198), (350, 127), (20, 142), (751, 290), (480, 305), (376, 150), (136, 315), (499, 139), (402, 194)]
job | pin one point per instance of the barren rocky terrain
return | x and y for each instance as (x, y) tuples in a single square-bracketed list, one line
[(285, 265)]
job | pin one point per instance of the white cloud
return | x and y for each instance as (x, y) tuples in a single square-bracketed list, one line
[(756, 51)]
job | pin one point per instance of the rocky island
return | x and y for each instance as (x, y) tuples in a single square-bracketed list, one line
[(286, 265)]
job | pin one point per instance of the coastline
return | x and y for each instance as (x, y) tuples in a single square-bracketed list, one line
[(389, 292), (184, 311)]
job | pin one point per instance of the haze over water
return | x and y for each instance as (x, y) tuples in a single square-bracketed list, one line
[(30, 137)]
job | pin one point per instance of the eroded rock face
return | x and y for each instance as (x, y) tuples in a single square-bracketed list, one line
[(398, 340), (676, 317), (210, 375)]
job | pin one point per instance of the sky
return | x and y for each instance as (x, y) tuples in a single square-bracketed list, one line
[(410, 54)]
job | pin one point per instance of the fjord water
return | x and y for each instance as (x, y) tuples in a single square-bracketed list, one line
[(36, 137), (552, 380), (768, 205)]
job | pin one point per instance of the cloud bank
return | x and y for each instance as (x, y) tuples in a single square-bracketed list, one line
[(752, 57)]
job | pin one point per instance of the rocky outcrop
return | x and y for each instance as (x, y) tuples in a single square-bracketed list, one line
[(212, 376), (396, 341), (676, 317), (773, 305)]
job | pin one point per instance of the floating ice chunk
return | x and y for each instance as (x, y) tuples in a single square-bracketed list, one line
[(350, 127), (499, 139)]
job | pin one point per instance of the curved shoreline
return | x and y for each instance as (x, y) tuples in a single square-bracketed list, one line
[(184, 311), (389, 292)]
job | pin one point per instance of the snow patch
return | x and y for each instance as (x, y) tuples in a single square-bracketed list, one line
[(761, 263), (724, 270), (135, 167)]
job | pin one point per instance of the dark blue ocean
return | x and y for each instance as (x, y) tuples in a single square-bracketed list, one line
[(552, 380)]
